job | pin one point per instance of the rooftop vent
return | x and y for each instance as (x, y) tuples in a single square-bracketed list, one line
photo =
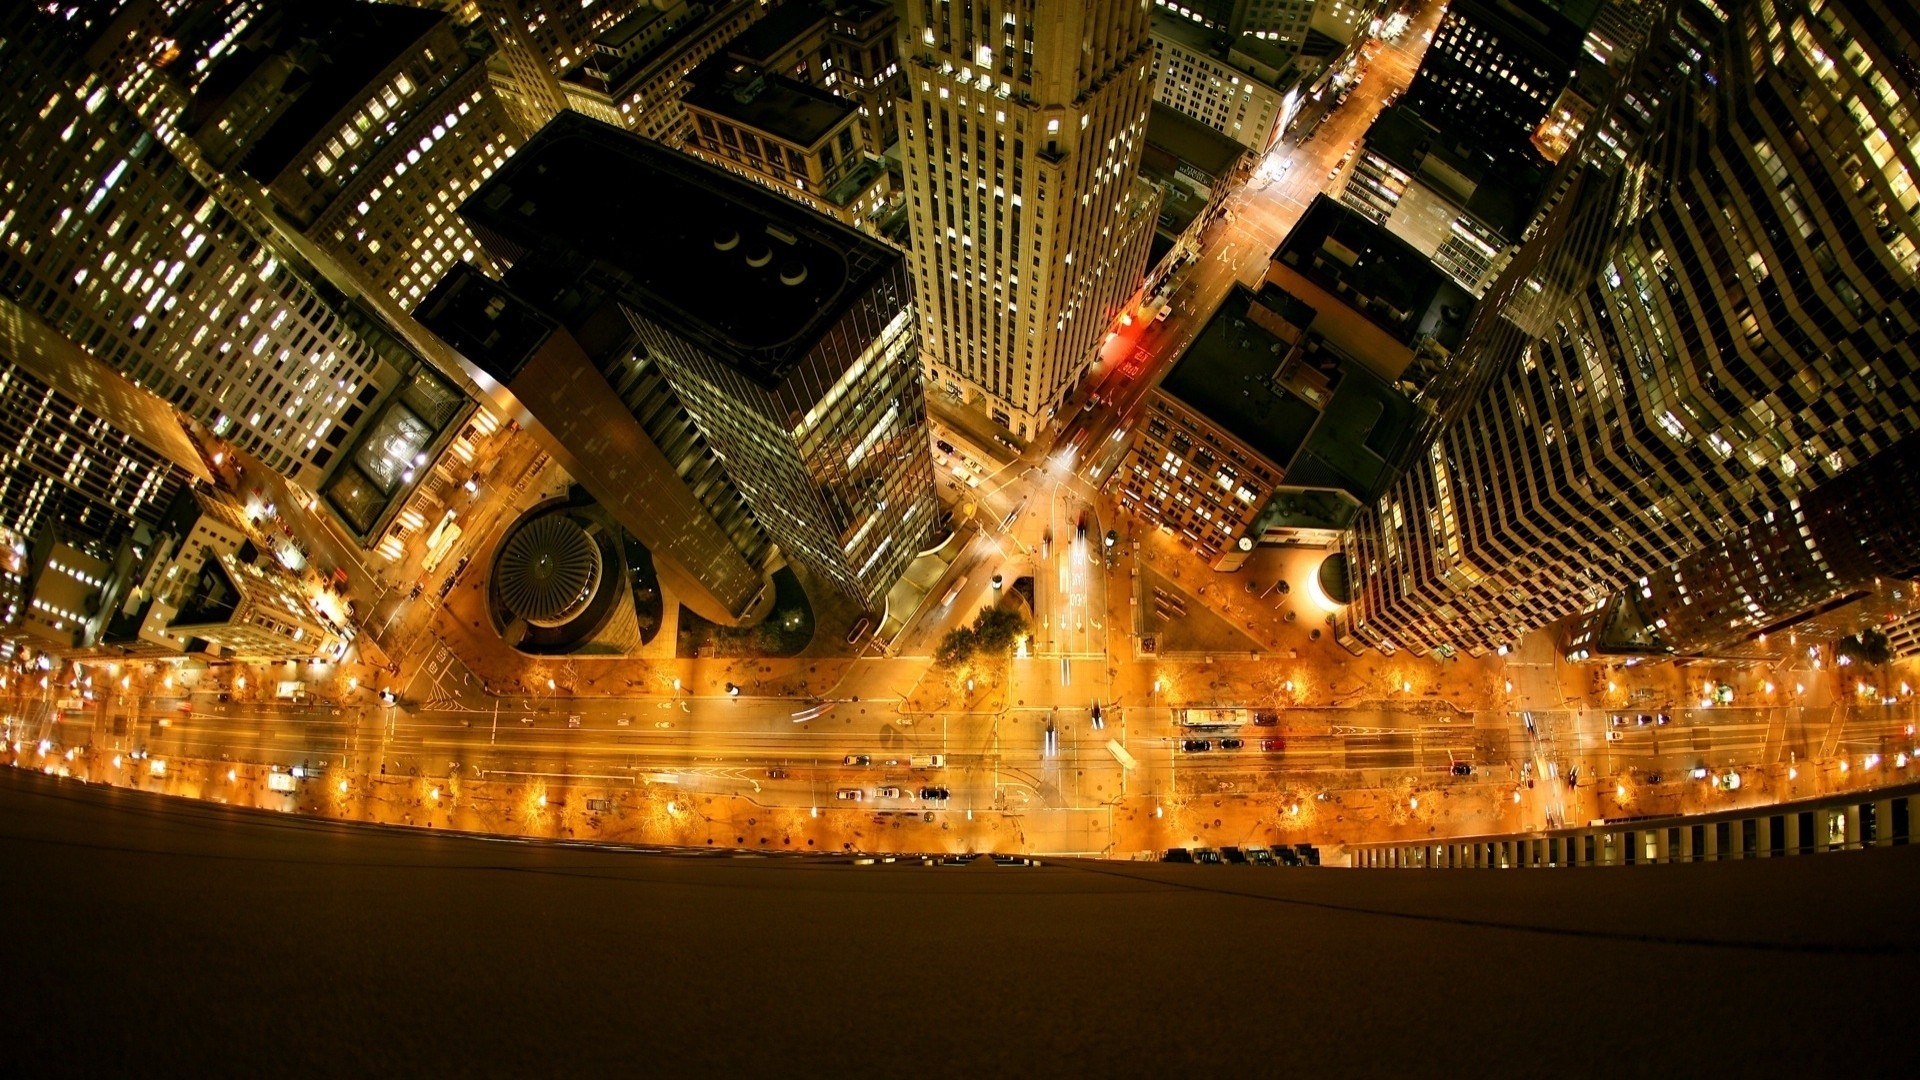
[(726, 240), (760, 256), (793, 273)]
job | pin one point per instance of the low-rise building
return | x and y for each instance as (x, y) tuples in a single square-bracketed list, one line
[(633, 77), (805, 143), (1196, 168), (1447, 195), (1251, 94), (1258, 428)]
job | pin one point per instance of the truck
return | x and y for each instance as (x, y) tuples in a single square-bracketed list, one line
[(927, 761), (1215, 717)]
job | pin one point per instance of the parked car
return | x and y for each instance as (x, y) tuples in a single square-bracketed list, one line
[(935, 794), (1177, 854), (1613, 736), (886, 793), (1462, 768), (1232, 744), (1273, 745), (1232, 855), (1259, 856), (850, 794), (1265, 718), (856, 759), (1196, 746)]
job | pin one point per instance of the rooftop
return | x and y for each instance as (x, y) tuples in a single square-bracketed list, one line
[(1502, 191), (488, 325), (785, 108), (1375, 272), (752, 276), (351, 45), (1182, 138), (53, 359), (1315, 412), (1227, 375), (761, 42)]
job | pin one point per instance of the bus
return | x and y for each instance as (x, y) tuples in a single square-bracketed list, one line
[(1215, 717)]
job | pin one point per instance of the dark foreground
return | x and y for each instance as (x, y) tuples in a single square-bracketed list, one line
[(152, 936)]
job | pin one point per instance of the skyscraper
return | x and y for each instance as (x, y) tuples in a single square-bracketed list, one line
[(1021, 127), (1717, 319), (112, 239), (786, 336)]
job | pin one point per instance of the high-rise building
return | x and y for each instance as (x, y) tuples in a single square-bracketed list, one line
[(1440, 191), (567, 362), (1021, 128), (787, 337), (1199, 71), (634, 76), (540, 39), (805, 143), (1713, 322), (82, 451), (114, 242), (1498, 66), (367, 124)]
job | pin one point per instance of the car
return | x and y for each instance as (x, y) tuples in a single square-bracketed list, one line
[(943, 446), (850, 794), (856, 759), (1232, 855), (1177, 854), (1232, 744), (776, 773), (1258, 855), (1662, 719), (1613, 736), (1265, 718), (1206, 855), (1616, 720), (1083, 525), (1643, 720), (886, 793), (1195, 746), (1092, 402), (935, 794), (1462, 768), (1273, 745)]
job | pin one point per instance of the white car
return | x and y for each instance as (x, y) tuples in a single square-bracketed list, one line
[(1613, 736), (886, 793), (850, 794)]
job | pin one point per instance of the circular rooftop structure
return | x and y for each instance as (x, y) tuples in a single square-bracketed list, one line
[(548, 571)]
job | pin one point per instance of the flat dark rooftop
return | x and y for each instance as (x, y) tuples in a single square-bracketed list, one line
[(159, 935), (1226, 375), (359, 41), (1508, 181), (761, 42), (785, 108), (1376, 272), (682, 238), (1173, 137), (489, 325)]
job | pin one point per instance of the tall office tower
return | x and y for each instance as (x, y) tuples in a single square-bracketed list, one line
[(1021, 128), (115, 243), (1695, 339), (805, 143), (1827, 548), (540, 39), (634, 74), (787, 337), (367, 124), (1498, 66), (564, 359), (83, 452)]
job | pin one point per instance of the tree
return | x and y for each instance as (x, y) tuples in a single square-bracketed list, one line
[(955, 648), (1866, 647), (997, 629)]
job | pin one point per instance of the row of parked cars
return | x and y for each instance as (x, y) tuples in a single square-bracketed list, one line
[(927, 794), (1253, 854), (1271, 745)]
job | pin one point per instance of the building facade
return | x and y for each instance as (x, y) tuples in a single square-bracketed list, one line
[(1195, 73), (1021, 130), (1702, 334), (116, 244), (636, 73), (369, 158), (787, 337)]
